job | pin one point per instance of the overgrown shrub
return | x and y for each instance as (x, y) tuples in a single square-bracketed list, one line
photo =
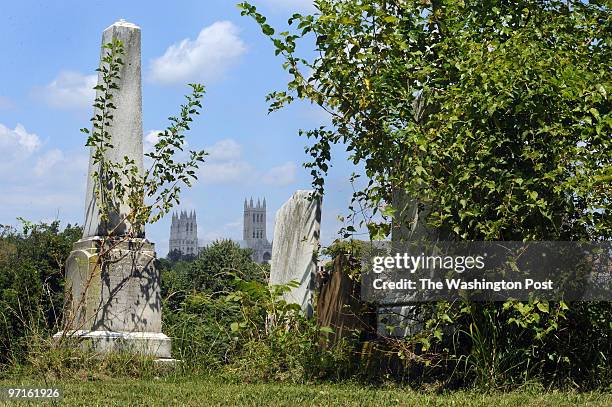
[(279, 343), (200, 331), (222, 315), (197, 315), (511, 344), (31, 284)]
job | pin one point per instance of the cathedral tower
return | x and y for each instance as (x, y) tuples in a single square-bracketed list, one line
[(254, 221), (184, 234), (254, 230)]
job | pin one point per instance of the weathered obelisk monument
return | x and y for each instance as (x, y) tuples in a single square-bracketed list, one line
[(112, 286)]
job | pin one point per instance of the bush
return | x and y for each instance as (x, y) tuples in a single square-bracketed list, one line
[(507, 345), (31, 284), (197, 315), (280, 344), (223, 316), (200, 332)]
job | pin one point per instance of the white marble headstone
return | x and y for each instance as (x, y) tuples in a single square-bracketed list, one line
[(296, 243)]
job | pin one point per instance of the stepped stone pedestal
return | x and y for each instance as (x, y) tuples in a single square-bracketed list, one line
[(115, 305)]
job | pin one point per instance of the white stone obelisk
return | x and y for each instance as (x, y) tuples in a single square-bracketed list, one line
[(125, 129), (114, 300)]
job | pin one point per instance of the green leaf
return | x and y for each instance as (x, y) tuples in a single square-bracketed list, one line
[(389, 211), (602, 90), (543, 306)]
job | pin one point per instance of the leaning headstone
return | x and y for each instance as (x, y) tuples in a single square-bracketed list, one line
[(112, 287), (296, 243)]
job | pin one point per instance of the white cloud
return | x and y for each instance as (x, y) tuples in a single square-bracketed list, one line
[(69, 90), (47, 161), (227, 149), (282, 175), (5, 103), (150, 139), (39, 183), (216, 49), (44, 185), (17, 143), (225, 164), (225, 172)]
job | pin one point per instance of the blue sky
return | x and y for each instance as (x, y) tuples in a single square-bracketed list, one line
[(50, 52)]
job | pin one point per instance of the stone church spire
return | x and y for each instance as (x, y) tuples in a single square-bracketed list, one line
[(184, 233), (254, 230)]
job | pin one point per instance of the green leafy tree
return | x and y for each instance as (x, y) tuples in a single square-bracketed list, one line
[(490, 121), (494, 116), (220, 263)]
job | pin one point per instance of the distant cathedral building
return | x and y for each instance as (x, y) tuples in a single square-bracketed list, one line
[(254, 231), (184, 234)]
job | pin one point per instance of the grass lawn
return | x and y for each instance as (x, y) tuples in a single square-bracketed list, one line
[(211, 392)]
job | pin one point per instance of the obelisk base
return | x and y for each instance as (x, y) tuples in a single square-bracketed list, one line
[(113, 299)]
